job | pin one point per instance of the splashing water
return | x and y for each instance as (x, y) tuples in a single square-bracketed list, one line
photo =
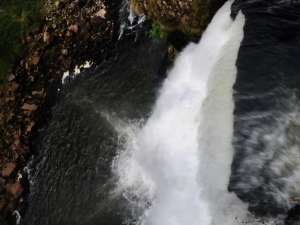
[(129, 20), (176, 168)]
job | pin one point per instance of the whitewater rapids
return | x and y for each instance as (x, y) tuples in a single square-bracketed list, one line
[(175, 169)]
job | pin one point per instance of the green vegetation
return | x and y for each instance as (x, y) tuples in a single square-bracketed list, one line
[(156, 32), (17, 18)]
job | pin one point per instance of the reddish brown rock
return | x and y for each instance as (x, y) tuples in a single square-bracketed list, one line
[(24, 150), (8, 169), (101, 13), (13, 147), (16, 189), (29, 107), (17, 142), (14, 86), (38, 92), (16, 135), (30, 127), (37, 72), (35, 60)]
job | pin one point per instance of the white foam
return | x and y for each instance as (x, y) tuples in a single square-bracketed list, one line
[(180, 160), (18, 216), (87, 64)]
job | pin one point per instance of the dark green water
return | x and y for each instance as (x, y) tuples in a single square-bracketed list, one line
[(71, 171)]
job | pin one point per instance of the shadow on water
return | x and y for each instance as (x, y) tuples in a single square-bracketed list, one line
[(71, 174)]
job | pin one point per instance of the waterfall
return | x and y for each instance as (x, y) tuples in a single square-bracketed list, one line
[(129, 21), (217, 145), (175, 169)]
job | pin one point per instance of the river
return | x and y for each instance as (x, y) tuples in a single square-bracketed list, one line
[(212, 141)]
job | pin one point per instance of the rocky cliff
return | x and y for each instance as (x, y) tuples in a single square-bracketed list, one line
[(71, 33), (181, 21)]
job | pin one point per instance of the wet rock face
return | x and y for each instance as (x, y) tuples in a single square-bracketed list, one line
[(66, 38), (178, 40), (189, 17)]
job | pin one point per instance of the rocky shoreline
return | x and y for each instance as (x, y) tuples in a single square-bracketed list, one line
[(71, 33)]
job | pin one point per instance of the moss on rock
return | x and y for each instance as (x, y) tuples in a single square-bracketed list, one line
[(187, 16)]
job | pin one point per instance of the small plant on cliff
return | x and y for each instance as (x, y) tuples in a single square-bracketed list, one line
[(156, 32)]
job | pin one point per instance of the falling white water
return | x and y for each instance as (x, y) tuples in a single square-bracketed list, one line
[(176, 168), (131, 21), (18, 216), (215, 133)]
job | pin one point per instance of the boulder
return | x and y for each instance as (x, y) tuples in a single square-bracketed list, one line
[(13, 147), (9, 168), (56, 3), (14, 86), (99, 17), (11, 77), (17, 142), (64, 51), (38, 92), (101, 13), (73, 28), (16, 189), (30, 127), (29, 107), (35, 60)]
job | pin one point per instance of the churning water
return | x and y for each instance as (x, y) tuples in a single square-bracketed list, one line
[(180, 160), (218, 145)]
